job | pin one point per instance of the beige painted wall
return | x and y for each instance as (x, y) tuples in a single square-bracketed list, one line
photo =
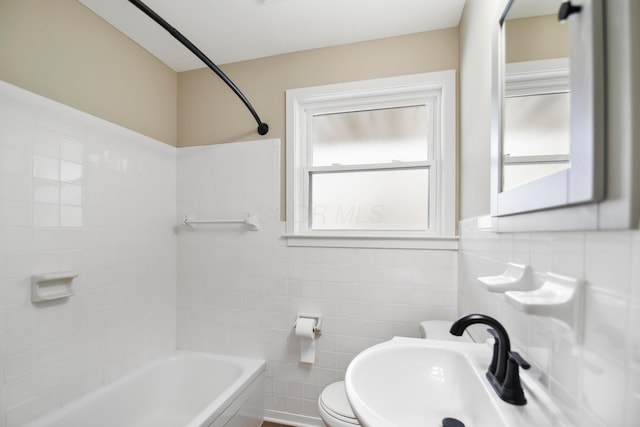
[(63, 51), (475, 107), (210, 113), (541, 37)]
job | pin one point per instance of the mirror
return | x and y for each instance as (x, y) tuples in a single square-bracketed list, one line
[(547, 130), (535, 106)]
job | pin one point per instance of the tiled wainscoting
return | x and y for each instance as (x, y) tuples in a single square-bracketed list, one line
[(596, 381), (239, 290), (77, 193)]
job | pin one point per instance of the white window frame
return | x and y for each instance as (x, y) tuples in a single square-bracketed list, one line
[(416, 89)]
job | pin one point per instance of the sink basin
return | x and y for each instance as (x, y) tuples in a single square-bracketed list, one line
[(415, 382)]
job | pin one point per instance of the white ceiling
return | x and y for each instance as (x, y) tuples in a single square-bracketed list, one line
[(236, 30)]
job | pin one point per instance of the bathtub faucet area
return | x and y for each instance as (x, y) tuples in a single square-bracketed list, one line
[(503, 373)]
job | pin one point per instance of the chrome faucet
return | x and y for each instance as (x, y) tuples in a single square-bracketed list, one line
[(503, 373)]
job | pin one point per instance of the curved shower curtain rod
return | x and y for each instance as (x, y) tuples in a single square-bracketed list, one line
[(263, 128)]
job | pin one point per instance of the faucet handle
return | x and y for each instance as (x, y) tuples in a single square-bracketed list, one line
[(515, 356), (511, 387)]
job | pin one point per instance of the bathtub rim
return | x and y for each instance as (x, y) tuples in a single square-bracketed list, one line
[(251, 370)]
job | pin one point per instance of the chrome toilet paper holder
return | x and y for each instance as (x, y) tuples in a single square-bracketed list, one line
[(318, 318)]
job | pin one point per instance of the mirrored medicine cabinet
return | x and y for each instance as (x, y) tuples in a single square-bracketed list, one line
[(547, 148)]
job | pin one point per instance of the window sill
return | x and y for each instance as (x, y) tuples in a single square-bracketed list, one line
[(437, 243)]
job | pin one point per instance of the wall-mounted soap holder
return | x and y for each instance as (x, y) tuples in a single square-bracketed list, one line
[(52, 286), (560, 297), (517, 277)]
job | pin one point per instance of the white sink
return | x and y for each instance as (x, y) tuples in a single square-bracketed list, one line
[(415, 382)]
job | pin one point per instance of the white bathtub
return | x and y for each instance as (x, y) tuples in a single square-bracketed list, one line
[(184, 389)]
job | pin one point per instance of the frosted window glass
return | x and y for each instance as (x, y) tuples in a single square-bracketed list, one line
[(537, 125), (389, 199), (371, 136)]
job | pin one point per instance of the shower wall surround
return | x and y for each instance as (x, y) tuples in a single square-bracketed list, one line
[(596, 382), (239, 291), (78, 193)]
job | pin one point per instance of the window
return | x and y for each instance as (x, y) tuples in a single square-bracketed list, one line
[(536, 121), (372, 163)]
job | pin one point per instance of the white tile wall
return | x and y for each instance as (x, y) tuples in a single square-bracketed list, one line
[(596, 382), (77, 193), (239, 291)]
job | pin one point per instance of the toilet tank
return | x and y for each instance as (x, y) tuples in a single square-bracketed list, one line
[(439, 330)]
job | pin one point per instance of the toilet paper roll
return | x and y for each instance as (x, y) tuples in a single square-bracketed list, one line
[(307, 337), (304, 327)]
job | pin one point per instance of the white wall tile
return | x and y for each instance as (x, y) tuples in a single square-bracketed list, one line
[(16, 162), (634, 345), (16, 341), (632, 416), (606, 328), (18, 366), (608, 261), (71, 216), (67, 206), (70, 172), (45, 191), (591, 379), (565, 364), (46, 167), (249, 278), (539, 345), (71, 149), (635, 267), (603, 385)]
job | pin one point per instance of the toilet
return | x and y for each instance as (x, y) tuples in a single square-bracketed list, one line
[(439, 330), (333, 405)]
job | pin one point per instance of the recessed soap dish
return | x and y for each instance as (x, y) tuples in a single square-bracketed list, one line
[(517, 277), (560, 297), (52, 286)]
